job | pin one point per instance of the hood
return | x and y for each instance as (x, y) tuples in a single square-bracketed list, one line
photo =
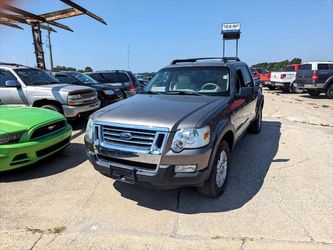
[(165, 111), (62, 87), (18, 118), (102, 86)]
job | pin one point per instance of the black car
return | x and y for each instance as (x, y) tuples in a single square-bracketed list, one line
[(106, 93), (125, 80)]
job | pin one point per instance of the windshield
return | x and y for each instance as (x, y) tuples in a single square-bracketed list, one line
[(33, 77), (83, 78), (190, 80), (263, 71)]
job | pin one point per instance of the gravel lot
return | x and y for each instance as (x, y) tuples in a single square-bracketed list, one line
[(279, 195)]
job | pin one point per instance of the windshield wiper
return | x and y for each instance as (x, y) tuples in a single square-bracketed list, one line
[(151, 92), (182, 93)]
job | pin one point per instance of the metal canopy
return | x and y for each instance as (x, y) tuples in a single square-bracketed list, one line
[(37, 22)]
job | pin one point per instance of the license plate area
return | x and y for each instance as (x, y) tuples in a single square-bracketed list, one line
[(123, 174)]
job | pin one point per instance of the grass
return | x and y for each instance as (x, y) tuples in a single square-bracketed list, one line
[(55, 230)]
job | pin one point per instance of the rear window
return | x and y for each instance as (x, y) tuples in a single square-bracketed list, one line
[(305, 67), (116, 77), (290, 68), (97, 77), (322, 66), (263, 71)]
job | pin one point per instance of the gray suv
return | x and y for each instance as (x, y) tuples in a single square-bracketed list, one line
[(35, 87), (181, 129)]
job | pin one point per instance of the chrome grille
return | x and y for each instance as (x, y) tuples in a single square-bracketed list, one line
[(141, 138)]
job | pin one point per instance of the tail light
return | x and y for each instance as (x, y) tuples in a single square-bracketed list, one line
[(132, 87), (282, 76), (315, 76)]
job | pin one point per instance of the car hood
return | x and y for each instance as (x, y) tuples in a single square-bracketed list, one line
[(62, 87), (102, 86), (18, 118), (164, 111)]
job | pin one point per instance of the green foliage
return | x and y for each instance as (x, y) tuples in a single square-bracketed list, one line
[(277, 66), (64, 68), (88, 69)]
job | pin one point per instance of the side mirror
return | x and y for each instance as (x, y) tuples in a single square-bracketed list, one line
[(12, 84), (245, 93)]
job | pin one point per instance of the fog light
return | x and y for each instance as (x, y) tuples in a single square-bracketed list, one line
[(185, 168)]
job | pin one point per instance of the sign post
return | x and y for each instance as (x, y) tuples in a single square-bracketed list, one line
[(230, 31)]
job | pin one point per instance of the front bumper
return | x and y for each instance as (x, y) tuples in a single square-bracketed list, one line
[(22, 154), (154, 170), (76, 111)]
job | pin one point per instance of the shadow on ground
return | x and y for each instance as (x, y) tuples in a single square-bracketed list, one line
[(69, 158), (319, 97), (251, 161)]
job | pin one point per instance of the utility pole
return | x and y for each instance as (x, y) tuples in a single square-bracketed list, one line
[(128, 57), (49, 45)]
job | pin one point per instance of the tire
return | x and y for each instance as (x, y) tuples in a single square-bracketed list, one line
[(271, 87), (295, 89), (256, 125), (217, 180), (52, 107), (313, 92), (329, 91)]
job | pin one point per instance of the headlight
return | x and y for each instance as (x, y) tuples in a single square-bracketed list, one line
[(108, 92), (190, 138), (73, 100), (89, 130), (10, 138)]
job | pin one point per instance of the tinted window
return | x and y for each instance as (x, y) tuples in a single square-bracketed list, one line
[(322, 66), (203, 80), (290, 68), (305, 67), (239, 80), (35, 77), (5, 75), (246, 76), (97, 77), (83, 78), (263, 71), (116, 77), (65, 79)]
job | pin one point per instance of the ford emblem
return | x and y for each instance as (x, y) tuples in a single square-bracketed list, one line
[(126, 136)]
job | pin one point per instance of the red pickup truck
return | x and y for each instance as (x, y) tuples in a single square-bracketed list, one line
[(263, 74)]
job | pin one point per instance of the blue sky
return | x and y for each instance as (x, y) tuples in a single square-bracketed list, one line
[(159, 31)]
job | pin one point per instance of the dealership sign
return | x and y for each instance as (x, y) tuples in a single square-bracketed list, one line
[(231, 31), (231, 27)]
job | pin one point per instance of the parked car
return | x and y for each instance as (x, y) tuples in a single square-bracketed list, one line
[(28, 135), (285, 80), (106, 94), (191, 116), (125, 80), (34, 87), (316, 78), (264, 75)]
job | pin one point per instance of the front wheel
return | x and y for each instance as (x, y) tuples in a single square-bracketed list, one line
[(52, 107), (216, 182)]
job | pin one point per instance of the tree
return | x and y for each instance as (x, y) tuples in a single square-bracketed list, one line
[(277, 66), (88, 69)]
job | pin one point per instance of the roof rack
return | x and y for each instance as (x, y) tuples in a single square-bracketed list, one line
[(11, 64), (224, 59)]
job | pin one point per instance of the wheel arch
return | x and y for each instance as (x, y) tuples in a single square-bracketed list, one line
[(41, 102)]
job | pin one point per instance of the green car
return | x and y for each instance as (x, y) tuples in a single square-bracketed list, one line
[(28, 135)]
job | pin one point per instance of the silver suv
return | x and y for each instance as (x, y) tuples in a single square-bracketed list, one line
[(181, 129), (35, 87)]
